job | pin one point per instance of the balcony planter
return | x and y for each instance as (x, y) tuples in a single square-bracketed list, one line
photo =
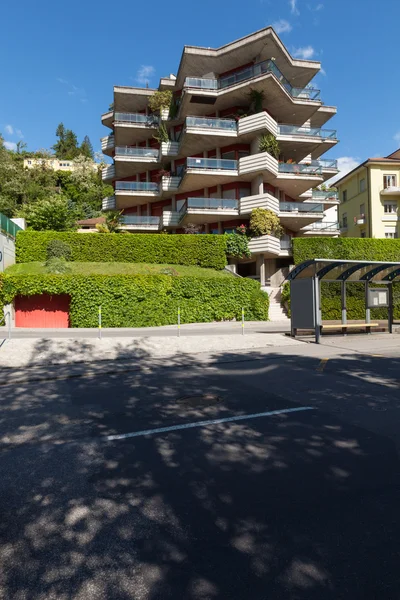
[(164, 114)]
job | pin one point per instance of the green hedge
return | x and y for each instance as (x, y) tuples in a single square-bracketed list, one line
[(202, 250), (345, 249), (144, 300)]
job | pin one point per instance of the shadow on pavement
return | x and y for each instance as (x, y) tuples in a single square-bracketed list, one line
[(297, 506)]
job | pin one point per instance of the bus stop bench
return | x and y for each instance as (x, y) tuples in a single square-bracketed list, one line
[(345, 326)]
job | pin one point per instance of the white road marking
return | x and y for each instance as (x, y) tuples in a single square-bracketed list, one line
[(271, 413)]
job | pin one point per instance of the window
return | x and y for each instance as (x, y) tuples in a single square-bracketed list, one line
[(390, 232), (344, 196), (389, 181), (363, 186), (344, 220), (390, 208), (362, 209)]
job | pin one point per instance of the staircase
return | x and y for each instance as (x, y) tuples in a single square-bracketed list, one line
[(276, 312)]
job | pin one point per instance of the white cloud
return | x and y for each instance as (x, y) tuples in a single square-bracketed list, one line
[(19, 133), (9, 129), (144, 74), (305, 53), (282, 26), (73, 90), (396, 137), (319, 7), (10, 145), (293, 7), (345, 165)]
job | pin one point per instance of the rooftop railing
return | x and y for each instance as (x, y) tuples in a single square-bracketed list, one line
[(261, 68)]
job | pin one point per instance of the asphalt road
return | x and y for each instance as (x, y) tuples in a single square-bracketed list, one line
[(296, 505)]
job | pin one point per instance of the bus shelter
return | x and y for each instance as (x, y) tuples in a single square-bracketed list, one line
[(305, 291)]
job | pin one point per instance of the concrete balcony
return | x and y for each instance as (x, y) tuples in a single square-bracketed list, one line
[(107, 118), (261, 122), (169, 148), (248, 203), (262, 163), (108, 173), (295, 215), (392, 190), (325, 196), (170, 184), (201, 133), (134, 193), (207, 210), (107, 144), (302, 141), (360, 220), (132, 128), (108, 203), (170, 218), (268, 245), (140, 223), (207, 172), (296, 178)]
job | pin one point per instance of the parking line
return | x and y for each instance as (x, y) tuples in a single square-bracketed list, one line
[(271, 413), (322, 364)]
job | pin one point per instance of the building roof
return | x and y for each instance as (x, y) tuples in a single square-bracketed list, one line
[(391, 159), (93, 221)]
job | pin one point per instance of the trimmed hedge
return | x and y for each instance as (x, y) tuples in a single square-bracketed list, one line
[(202, 250), (345, 249), (144, 300)]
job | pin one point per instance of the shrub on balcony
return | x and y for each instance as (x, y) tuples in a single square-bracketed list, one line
[(264, 222), (256, 101), (160, 101), (144, 300), (237, 245), (201, 250), (268, 143)]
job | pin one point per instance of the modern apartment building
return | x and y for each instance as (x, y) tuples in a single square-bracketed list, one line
[(370, 196), (210, 170)]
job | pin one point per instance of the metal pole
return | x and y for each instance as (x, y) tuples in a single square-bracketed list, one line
[(344, 306), (367, 309), (316, 309), (390, 311), (242, 321), (179, 321), (99, 322)]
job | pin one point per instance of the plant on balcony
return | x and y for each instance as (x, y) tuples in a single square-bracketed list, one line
[(173, 108), (264, 222), (256, 101), (237, 245), (164, 172), (111, 106), (268, 143), (241, 229), (160, 101), (192, 228), (161, 134)]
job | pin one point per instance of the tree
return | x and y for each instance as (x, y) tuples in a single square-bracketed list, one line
[(66, 146), (21, 146), (86, 148), (49, 214), (59, 146)]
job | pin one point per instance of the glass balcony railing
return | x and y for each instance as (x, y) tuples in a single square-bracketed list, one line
[(262, 68), (307, 132), (325, 194), (219, 164), (213, 203), (299, 169), (139, 220), (321, 226), (286, 243), (325, 163), (8, 227), (151, 120), (137, 152), (136, 186), (226, 124), (303, 207)]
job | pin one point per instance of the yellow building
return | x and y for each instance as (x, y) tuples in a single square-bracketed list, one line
[(369, 199)]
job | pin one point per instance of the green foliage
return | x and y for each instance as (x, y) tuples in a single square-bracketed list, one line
[(264, 222), (269, 143), (57, 265), (237, 245), (144, 300), (162, 134), (346, 249), (86, 148), (256, 101), (48, 214), (285, 297), (160, 101), (201, 250), (58, 249)]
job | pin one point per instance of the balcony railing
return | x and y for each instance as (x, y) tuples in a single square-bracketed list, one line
[(213, 203), (321, 226), (8, 227), (262, 68), (307, 132), (219, 164), (325, 163), (286, 244), (150, 120), (204, 123), (136, 186), (306, 207), (140, 220), (137, 152), (299, 169), (325, 194)]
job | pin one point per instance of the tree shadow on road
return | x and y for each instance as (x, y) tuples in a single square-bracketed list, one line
[(294, 506)]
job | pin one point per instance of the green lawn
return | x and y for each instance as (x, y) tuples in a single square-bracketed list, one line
[(88, 268)]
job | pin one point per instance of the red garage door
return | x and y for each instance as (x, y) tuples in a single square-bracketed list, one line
[(42, 311)]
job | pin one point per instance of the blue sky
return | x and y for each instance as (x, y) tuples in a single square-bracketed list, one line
[(60, 61)]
